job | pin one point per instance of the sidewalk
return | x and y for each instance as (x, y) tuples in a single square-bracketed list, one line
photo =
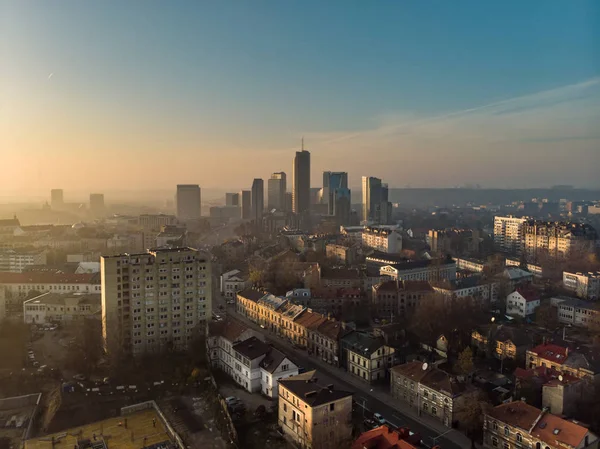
[(379, 393)]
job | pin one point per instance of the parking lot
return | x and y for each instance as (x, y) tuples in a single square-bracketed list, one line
[(251, 401)]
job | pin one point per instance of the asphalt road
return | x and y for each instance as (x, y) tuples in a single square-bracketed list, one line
[(362, 399)]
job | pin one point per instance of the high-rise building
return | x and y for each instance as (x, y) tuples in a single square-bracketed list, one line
[(258, 200), (277, 187), (336, 195), (289, 202), (97, 204), (232, 199), (508, 234), (155, 300), (556, 240), (188, 202), (301, 182), (246, 203), (376, 206), (153, 222), (56, 198)]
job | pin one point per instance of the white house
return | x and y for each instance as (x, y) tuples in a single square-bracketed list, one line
[(522, 302), (248, 355), (232, 282), (273, 367), (222, 335)]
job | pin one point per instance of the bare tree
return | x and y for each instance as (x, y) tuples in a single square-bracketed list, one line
[(546, 316)]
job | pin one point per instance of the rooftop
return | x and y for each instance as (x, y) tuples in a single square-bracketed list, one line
[(310, 320), (413, 264), (517, 414), (412, 370), (384, 437), (272, 361), (551, 352), (331, 329), (252, 294), (39, 277), (360, 342), (271, 301), (306, 386), (530, 294), (252, 348), (229, 328), (62, 299), (340, 273)]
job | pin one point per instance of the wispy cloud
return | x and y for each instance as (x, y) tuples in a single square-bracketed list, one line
[(511, 134)]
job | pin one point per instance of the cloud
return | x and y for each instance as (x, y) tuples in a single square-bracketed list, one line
[(529, 136)]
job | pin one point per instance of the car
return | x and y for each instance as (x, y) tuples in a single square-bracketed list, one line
[(79, 377), (262, 326), (379, 418), (231, 400)]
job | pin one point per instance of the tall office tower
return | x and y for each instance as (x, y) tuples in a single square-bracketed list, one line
[(246, 203), (289, 203), (188, 202), (385, 210), (56, 198), (301, 182), (331, 182), (155, 300), (97, 204), (258, 200), (509, 234), (277, 187), (376, 206), (232, 199)]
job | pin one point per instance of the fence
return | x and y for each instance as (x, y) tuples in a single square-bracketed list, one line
[(151, 404)]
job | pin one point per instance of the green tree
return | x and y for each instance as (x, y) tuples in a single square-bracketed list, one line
[(464, 364)]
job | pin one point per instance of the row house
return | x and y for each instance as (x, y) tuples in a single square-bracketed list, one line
[(396, 298), (288, 327), (501, 342), (335, 301), (561, 359), (324, 340), (431, 391), (221, 337), (518, 425)]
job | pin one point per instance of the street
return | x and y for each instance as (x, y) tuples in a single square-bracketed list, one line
[(364, 394)]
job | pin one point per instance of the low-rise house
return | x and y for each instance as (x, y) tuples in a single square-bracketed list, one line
[(473, 265), (304, 323), (473, 286), (61, 308), (324, 340), (563, 360), (522, 302), (577, 312), (421, 270), (431, 391), (274, 367), (314, 414), (501, 342), (248, 355), (516, 276), (233, 282), (341, 278), (367, 357), (222, 335), (520, 425)]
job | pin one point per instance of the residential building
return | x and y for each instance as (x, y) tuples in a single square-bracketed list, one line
[(232, 199), (536, 270), (233, 249), (473, 286), (500, 341), (341, 254), (234, 281), (246, 203), (557, 240), (577, 312), (473, 265), (584, 285), (277, 186), (367, 357), (314, 415), (509, 234), (61, 308), (520, 425), (561, 359), (97, 208), (393, 298), (301, 182), (431, 391), (421, 270), (222, 336), (386, 437), (156, 299), (188, 202), (376, 208), (57, 200), (453, 241), (171, 236), (515, 276), (153, 222), (274, 367), (563, 394), (258, 201), (522, 302), (16, 260), (338, 302), (381, 239), (324, 340), (247, 357), (352, 233), (300, 296), (341, 278), (14, 287), (305, 322)]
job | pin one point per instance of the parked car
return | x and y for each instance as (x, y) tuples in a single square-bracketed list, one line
[(231, 400), (79, 377), (379, 418)]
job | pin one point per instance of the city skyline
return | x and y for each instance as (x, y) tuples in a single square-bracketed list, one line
[(390, 87)]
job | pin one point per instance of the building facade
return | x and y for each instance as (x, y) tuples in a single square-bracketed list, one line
[(522, 302), (154, 300), (509, 234), (381, 239), (584, 285), (341, 254), (301, 182), (153, 222), (421, 270), (577, 312), (232, 282), (15, 261), (557, 240), (60, 308), (246, 203), (277, 187), (188, 202), (258, 201)]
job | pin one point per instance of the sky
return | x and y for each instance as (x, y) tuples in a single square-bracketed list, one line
[(106, 95)]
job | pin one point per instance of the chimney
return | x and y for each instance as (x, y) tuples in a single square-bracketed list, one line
[(567, 351)]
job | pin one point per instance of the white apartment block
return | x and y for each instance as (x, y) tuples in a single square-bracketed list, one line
[(63, 308), (154, 300), (473, 265), (577, 312), (15, 261), (382, 239), (508, 234), (584, 285)]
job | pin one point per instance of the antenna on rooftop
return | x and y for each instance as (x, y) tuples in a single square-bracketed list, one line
[(560, 378), (425, 366), (302, 143)]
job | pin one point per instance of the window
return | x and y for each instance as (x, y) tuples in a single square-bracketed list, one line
[(506, 431), (426, 394), (506, 446), (494, 441), (433, 410), (426, 406), (519, 438), (331, 407), (495, 425)]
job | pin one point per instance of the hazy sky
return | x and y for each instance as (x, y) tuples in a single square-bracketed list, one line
[(146, 94)]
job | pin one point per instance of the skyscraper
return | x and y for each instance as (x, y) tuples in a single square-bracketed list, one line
[(277, 186), (188, 201), (97, 204), (301, 182), (258, 200), (246, 203), (376, 207), (232, 199), (56, 198), (331, 182)]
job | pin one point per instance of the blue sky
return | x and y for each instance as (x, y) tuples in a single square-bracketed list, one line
[(187, 87)]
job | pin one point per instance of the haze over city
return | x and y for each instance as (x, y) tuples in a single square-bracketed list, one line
[(130, 96)]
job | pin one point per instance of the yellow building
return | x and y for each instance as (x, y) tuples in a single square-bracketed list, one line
[(314, 415), (55, 307)]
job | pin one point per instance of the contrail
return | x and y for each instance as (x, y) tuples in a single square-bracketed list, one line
[(50, 76)]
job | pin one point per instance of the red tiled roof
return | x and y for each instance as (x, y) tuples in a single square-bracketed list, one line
[(383, 437), (558, 432), (552, 353), (529, 294), (40, 277), (517, 414)]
